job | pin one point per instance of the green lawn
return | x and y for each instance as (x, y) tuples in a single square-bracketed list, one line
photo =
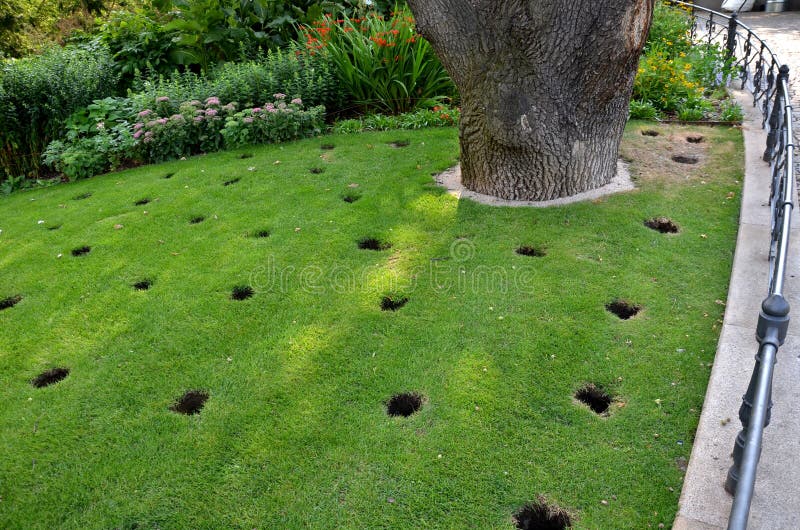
[(295, 433)]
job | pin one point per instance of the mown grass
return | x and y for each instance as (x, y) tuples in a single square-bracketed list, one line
[(295, 432)]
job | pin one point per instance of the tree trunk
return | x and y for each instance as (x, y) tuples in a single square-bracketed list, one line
[(544, 85)]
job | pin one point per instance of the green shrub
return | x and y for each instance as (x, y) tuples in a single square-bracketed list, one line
[(642, 110), (670, 29), (276, 122), (138, 44), (383, 64), (731, 111), (438, 116), (675, 76), (38, 94), (664, 82), (691, 114), (250, 83)]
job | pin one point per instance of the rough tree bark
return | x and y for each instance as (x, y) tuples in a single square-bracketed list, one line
[(544, 85)]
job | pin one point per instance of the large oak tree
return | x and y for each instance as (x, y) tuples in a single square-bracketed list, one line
[(544, 85)]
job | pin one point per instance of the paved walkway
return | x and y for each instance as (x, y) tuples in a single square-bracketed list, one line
[(704, 505)]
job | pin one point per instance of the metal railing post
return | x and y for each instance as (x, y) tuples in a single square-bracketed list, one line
[(773, 323), (730, 45), (776, 114)]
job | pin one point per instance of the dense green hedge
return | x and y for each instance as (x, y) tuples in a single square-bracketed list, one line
[(38, 94)]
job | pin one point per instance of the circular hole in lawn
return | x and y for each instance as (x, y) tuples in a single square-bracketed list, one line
[(81, 251), (404, 404), (662, 224), (650, 132), (326, 147), (393, 303), (168, 176), (623, 309), (539, 515), (241, 292), (317, 170), (197, 219), (190, 402), (261, 233), (594, 397), (142, 202), (54, 227), (685, 159), (351, 197), (246, 155), (372, 243), (397, 144), (143, 285), (231, 181), (50, 377), (695, 139), (534, 252), (10, 301)]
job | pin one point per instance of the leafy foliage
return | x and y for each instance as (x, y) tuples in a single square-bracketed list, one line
[(675, 76), (277, 121), (38, 94), (249, 83), (438, 116), (383, 64), (139, 43)]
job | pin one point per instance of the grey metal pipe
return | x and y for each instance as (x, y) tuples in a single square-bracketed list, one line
[(788, 204), (752, 449)]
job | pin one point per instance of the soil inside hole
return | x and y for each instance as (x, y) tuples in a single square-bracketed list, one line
[(168, 176), (82, 196), (662, 224), (404, 404), (539, 515), (650, 132), (143, 285), (390, 303), (244, 156), (327, 147), (685, 159), (261, 233), (351, 197), (11, 301), (191, 402), (596, 398), (623, 309), (526, 250), (197, 219), (142, 202), (231, 181), (695, 139), (54, 227), (317, 170), (242, 292), (397, 144), (50, 377), (81, 251), (371, 243)]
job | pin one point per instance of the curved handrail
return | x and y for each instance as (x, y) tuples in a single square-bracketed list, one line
[(763, 75)]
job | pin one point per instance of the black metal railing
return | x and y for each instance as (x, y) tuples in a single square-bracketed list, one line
[(760, 72)]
